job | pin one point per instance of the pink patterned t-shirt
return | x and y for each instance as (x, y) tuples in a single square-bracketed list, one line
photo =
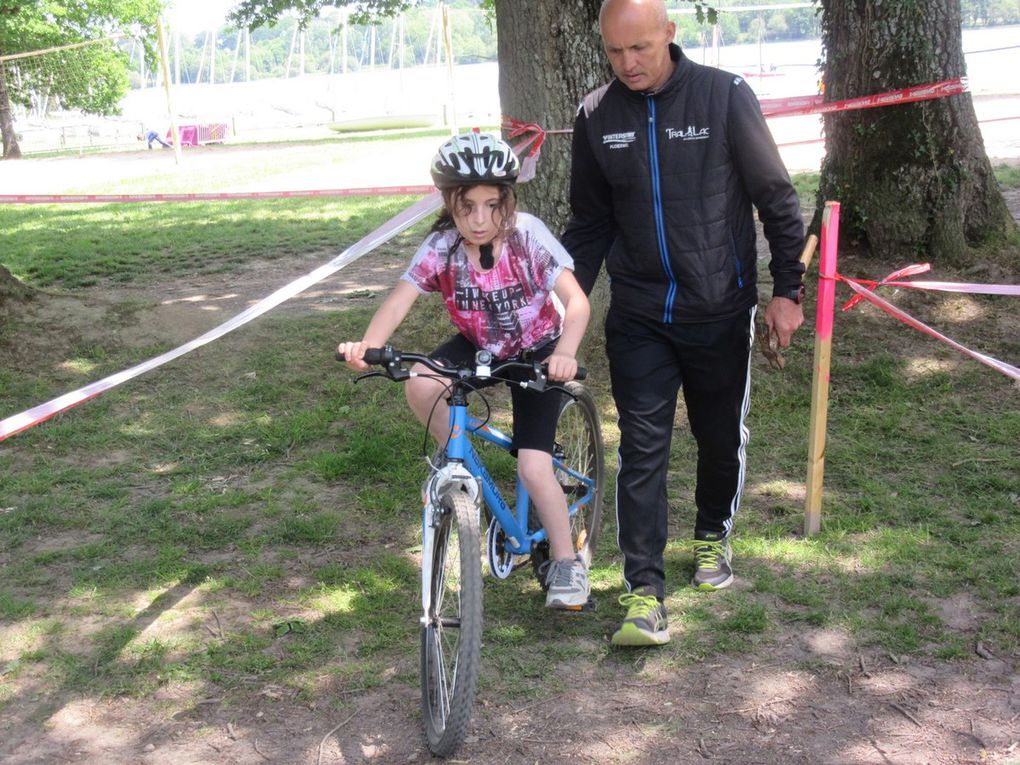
[(507, 309)]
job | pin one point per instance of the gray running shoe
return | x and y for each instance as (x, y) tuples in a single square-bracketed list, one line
[(712, 563), (567, 583), (645, 623)]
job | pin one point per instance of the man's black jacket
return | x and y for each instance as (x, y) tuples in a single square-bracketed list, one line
[(662, 188)]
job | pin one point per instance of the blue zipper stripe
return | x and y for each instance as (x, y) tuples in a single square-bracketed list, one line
[(660, 227), (740, 270)]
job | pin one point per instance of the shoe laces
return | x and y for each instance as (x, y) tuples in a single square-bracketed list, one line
[(707, 552), (639, 606), (561, 573)]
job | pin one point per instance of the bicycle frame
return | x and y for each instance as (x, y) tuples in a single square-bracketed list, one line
[(463, 468), (514, 522)]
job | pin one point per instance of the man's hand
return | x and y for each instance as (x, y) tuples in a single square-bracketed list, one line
[(783, 317)]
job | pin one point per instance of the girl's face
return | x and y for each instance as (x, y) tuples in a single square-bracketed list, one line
[(478, 214)]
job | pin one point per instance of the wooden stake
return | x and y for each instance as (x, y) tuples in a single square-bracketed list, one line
[(165, 68), (809, 251), (823, 356)]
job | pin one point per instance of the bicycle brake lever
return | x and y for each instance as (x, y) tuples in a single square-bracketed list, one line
[(366, 375), (562, 389), (540, 382)]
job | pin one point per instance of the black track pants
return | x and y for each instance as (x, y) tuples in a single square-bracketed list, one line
[(649, 363)]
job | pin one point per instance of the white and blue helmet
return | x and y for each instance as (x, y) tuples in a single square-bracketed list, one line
[(474, 158)]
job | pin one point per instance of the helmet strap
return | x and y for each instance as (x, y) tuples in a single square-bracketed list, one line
[(485, 255)]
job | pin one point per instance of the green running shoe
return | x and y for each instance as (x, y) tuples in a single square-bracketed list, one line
[(645, 623), (712, 563)]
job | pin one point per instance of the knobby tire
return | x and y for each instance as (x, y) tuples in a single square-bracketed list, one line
[(452, 634)]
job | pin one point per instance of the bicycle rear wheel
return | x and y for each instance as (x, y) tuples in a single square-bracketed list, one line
[(452, 633), (578, 447)]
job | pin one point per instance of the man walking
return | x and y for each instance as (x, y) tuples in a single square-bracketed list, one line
[(670, 158), (151, 135)]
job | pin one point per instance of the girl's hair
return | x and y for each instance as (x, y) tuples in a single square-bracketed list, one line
[(453, 199)]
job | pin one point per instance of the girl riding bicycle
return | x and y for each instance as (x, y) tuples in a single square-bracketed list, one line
[(509, 288)]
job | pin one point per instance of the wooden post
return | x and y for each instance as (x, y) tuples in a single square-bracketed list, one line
[(451, 114), (808, 253), (823, 357), (165, 66)]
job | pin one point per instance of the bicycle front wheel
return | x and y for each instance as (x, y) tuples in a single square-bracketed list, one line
[(451, 636)]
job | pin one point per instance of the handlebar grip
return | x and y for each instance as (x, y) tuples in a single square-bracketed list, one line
[(582, 373), (372, 356)]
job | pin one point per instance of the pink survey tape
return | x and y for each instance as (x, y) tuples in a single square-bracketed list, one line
[(799, 105), (406, 218), (864, 293), (894, 280)]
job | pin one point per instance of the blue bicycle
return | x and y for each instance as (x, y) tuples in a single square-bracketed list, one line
[(458, 486)]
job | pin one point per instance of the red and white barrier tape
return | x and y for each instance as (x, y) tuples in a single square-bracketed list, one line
[(789, 107), (406, 218), (894, 278), (370, 191), (864, 291)]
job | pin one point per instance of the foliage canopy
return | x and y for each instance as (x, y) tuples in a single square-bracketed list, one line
[(98, 80)]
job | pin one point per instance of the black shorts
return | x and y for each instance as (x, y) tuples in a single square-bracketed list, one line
[(535, 413)]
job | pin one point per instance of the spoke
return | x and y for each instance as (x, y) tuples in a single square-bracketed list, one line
[(442, 691)]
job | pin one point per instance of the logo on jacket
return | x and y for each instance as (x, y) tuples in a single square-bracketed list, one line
[(619, 140), (692, 133)]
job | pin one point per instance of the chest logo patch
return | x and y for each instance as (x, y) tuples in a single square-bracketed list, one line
[(691, 133), (619, 140)]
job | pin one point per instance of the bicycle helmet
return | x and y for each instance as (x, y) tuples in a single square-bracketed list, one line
[(474, 158)]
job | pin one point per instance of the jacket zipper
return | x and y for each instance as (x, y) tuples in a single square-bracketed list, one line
[(660, 227), (736, 262)]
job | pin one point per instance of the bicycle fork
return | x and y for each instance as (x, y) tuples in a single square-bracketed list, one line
[(452, 476)]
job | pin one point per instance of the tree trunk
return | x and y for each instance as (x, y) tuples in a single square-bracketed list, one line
[(10, 138), (912, 180), (11, 291), (550, 55)]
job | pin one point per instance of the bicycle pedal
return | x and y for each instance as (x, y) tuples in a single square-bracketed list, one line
[(590, 605)]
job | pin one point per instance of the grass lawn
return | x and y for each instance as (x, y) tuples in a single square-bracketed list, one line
[(245, 520)]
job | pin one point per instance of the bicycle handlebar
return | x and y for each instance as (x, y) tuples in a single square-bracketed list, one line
[(392, 360)]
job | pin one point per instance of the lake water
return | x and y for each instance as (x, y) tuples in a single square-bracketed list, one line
[(992, 55), (289, 108)]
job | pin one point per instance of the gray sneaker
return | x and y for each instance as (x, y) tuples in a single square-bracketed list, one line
[(712, 563), (645, 623), (567, 583)]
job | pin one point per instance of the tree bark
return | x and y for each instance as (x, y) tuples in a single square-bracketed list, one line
[(11, 291), (10, 138), (550, 55), (912, 180)]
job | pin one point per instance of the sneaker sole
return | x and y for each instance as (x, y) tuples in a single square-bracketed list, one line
[(567, 605), (709, 587), (630, 636)]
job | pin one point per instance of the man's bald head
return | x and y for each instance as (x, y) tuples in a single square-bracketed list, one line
[(636, 35), (655, 7)]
